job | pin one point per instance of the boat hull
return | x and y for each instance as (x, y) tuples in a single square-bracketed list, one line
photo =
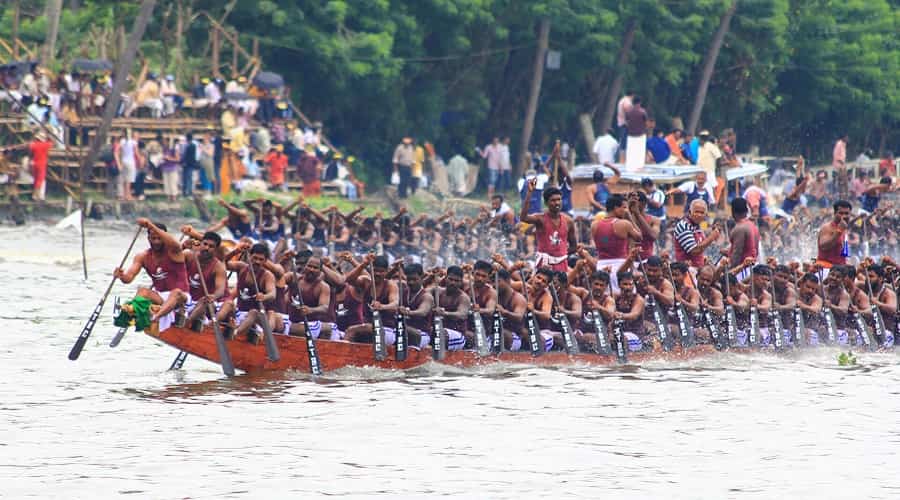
[(334, 355)]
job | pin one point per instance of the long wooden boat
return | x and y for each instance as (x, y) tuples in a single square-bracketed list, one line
[(334, 355)]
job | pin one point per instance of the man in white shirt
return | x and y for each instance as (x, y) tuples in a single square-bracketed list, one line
[(505, 165), (605, 148), (709, 157), (492, 153), (212, 93), (127, 162), (699, 188)]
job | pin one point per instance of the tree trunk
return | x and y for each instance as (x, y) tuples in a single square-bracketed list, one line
[(54, 11), (120, 80), (15, 30), (709, 64), (533, 95), (179, 38), (615, 87), (214, 40), (587, 133)]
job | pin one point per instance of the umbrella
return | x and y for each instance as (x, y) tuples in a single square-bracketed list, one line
[(19, 68), (268, 80), (91, 65)]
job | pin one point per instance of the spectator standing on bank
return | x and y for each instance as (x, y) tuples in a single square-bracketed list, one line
[(40, 154), (126, 159), (169, 168), (277, 162), (505, 166), (310, 173), (492, 153), (839, 162), (622, 108), (605, 148), (189, 164), (404, 157)]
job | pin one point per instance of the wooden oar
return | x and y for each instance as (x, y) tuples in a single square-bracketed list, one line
[(564, 325), (534, 335), (830, 323), (730, 316), (481, 346), (799, 320), (497, 319), (439, 335), (315, 366), (685, 328), (377, 326), (753, 335), (224, 355), (621, 343), (401, 347), (877, 318), (179, 361), (600, 330), (89, 326), (775, 320), (271, 347)]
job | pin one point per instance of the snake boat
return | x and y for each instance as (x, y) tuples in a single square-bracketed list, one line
[(334, 355)]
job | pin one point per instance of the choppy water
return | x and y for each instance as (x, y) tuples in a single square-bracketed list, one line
[(117, 422)]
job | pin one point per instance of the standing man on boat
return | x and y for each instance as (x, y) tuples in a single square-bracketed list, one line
[(690, 242), (555, 231), (613, 234), (832, 239), (744, 237), (636, 124), (839, 163), (622, 108), (163, 262)]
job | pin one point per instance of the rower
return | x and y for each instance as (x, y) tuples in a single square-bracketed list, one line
[(613, 234), (418, 304), (762, 299), (599, 300), (785, 299), (512, 306), (859, 301), (350, 295), (687, 296), (649, 225), (454, 306), (554, 230), (653, 283), (738, 300), (485, 298), (810, 303), (313, 303), (212, 272), (541, 304), (164, 263), (269, 224), (237, 221), (711, 299), (832, 238), (386, 299), (251, 290), (886, 300), (569, 304), (838, 300), (630, 310)]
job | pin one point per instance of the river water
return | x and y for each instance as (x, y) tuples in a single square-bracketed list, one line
[(116, 422)]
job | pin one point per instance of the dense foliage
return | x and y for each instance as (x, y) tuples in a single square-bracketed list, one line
[(791, 75)]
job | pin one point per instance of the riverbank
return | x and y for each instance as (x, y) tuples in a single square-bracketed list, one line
[(205, 207)]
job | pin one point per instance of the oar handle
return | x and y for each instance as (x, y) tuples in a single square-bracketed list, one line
[(121, 264)]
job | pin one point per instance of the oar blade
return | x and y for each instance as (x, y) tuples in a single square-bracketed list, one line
[(118, 337), (224, 355), (179, 360), (269, 339), (85, 332)]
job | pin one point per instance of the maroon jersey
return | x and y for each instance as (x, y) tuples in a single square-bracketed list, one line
[(552, 243), (310, 299), (209, 277), (349, 312), (413, 300), (609, 245), (451, 303), (167, 275), (246, 289)]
